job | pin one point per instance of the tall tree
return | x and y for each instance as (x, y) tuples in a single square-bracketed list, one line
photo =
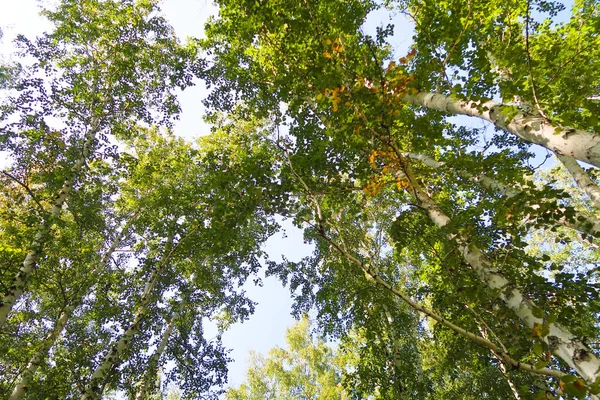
[(356, 119), (107, 63)]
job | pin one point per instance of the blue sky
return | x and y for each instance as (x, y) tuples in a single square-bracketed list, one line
[(266, 328)]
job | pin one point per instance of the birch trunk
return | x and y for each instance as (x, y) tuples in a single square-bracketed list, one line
[(36, 360), (533, 128), (396, 355), (154, 362), (25, 377), (581, 177), (502, 367), (590, 226), (17, 287), (561, 342), (95, 387)]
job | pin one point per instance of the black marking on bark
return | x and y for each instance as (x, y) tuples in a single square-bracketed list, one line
[(553, 342), (580, 355)]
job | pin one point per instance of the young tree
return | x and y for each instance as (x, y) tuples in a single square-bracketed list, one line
[(307, 369)]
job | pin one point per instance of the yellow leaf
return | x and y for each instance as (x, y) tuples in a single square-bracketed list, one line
[(319, 96), (326, 54), (537, 329)]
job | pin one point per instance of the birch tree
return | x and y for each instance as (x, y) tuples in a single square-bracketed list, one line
[(107, 62), (353, 112), (306, 369)]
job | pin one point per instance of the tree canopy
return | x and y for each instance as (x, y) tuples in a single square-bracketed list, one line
[(448, 262)]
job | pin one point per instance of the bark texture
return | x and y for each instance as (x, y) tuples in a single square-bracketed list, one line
[(39, 356), (588, 225), (17, 287), (154, 362), (95, 388), (26, 376), (533, 128), (561, 342), (581, 177)]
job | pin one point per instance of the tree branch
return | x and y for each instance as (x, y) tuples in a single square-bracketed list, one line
[(26, 188)]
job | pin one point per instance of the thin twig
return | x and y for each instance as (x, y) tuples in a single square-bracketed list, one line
[(372, 273), (528, 53), (26, 188)]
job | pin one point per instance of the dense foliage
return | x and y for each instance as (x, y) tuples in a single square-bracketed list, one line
[(447, 262)]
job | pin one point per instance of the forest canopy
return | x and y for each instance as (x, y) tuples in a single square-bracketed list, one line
[(449, 261)]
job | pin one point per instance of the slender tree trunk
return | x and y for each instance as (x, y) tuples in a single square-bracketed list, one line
[(17, 287), (501, 366), (95, 387), (562, 343), (38, 357), (581, 177), (396, 353), (25, 377), (590, 226), (154, 362), (533, 128)]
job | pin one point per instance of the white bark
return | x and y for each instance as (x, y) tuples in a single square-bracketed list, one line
[(582, 145), (396, 355), (587, 225), (581, 177), (154, 362), (95, 387), (561, 342), (38, 357), (17, 287), (25, 377)]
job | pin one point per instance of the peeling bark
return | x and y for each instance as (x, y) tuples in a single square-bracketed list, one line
[(533, 128)]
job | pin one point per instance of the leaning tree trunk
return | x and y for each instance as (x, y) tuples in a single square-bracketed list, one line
[(501, 366), (154, 362), (582, 224), (583, 180), (17, 286), (531, 127), (560, 341), (38, 357), (95, 387)]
